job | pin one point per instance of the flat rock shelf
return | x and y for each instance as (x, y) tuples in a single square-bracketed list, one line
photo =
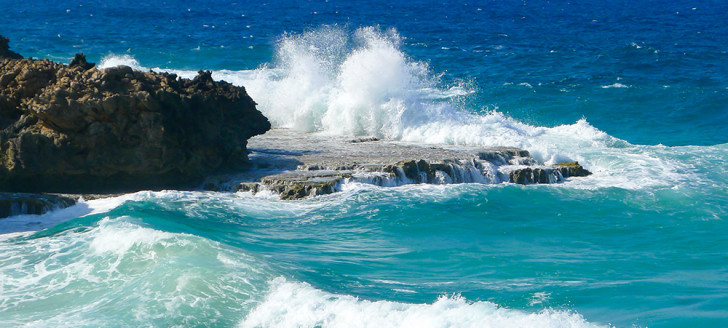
[(297, 165)]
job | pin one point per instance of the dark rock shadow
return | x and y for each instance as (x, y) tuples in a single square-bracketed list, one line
[(31, 222)]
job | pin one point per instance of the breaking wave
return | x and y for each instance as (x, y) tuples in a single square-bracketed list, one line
[(292, 304), (335, 82)]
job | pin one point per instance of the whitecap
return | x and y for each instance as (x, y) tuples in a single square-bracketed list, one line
[(334, 82), (113, 60), (615, 85), (293, 304)]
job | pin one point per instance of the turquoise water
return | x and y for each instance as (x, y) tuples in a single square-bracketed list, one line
[(635, 91)]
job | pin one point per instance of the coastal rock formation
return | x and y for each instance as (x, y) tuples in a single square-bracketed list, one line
[(304, 183), (299, 184), (76, 128), (298, 165), (15, 204), (5, 49), (552, 174)]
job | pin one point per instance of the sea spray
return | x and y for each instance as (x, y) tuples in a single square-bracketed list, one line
[(196, 258), (336, 82), (361, 83), (120, 272), (345, 84), (116, 60), (640, 243)]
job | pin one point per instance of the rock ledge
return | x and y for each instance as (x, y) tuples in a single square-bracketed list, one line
[(298, 165)]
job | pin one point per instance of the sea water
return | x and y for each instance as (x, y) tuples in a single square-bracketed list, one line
[(636, 91)]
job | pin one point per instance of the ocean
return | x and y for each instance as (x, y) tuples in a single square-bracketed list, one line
[(636, 91)]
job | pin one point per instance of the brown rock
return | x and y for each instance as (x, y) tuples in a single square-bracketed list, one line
[(80, 61), (79, 129), (544, 175), (5, 49), (572, 169)]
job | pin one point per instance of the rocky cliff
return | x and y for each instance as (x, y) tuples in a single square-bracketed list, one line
[(75, 128)]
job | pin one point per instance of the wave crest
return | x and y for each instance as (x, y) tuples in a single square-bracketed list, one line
[(292, 304), (332, 81), (347, 84)]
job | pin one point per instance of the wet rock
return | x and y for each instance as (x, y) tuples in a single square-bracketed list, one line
[(533, 175), (410, 169), (80, 61), (307, 165), (522, 176), (572, 169), (80, 129), (364, 139), (19, 203), (299, 184), (300, 165), (505, 155), (543, 175), (249, 187)]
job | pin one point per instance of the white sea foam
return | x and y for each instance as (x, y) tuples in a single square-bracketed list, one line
[(526, 84), (121, 237), (363, 84), (117, 60), (615, 85), (72, 277), (539, 297), (27, 223), (334, 82), (292, 304)]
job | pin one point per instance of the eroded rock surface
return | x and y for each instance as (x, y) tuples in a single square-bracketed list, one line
[(298, 165), (76, 128)]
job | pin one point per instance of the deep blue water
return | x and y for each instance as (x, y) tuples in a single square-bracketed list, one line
[(672, 54), (637, 91)]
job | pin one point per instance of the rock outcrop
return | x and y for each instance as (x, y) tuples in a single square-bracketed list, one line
[(5, 49), (76, 128), (299, 165), (15, 204)]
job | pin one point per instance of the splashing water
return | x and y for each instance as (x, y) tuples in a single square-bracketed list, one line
[(334, 82), (641, 243)]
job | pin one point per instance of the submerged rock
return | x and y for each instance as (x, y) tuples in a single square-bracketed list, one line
[(80, 129)]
